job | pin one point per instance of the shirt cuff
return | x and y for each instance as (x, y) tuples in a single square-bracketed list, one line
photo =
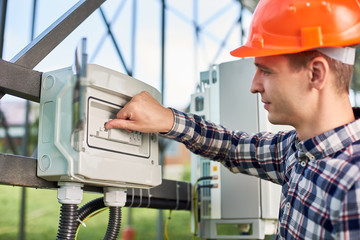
[(178, 129)]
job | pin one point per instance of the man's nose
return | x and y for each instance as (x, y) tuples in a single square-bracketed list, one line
[(256, 84)]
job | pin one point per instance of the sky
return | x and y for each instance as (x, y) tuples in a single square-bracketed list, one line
[(182, 62)]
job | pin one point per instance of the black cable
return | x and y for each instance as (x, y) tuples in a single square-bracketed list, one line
[(205, 178), (68, 222), (157, 203), (91, 207), (113, 228), (115, 214), (207, 186)]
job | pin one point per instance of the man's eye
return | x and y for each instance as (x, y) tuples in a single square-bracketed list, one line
[(265, 72)]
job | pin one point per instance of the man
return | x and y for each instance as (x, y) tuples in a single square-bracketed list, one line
[(304, 66)]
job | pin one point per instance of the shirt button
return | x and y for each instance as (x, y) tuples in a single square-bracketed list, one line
[(303, 163), (288, 205)]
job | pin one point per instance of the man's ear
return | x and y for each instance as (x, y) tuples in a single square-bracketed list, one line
[(319, 70)]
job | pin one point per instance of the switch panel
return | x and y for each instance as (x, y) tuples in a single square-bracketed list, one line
[(116, 140), (73, 143)]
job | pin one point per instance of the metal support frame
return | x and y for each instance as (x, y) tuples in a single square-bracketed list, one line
[(21, 171), (20, 81), (18, 78), (13, 74)]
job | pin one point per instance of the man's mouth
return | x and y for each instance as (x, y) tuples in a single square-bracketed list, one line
[(266, 104)]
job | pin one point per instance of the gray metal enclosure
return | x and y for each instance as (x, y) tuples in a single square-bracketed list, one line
[(245, 204)]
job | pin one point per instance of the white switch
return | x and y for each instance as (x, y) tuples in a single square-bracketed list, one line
[(102, 133)]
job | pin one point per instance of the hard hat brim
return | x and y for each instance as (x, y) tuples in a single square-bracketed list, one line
[(245, 51)]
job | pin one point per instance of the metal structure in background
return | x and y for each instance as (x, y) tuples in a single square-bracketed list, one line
[(17, 71)]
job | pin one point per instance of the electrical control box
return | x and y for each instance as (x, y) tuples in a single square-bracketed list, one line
[(240, 206), (73, 144)]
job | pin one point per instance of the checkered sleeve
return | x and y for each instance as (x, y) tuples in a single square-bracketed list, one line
[(260, 154), (348, 223)]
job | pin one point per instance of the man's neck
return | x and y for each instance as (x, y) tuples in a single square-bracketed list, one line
[(327, 116)]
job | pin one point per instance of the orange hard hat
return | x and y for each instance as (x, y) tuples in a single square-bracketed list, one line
[(290, 26)]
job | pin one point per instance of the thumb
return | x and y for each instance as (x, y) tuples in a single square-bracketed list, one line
[(120, 123)]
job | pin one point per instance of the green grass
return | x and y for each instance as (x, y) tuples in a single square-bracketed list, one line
[(42, 217)]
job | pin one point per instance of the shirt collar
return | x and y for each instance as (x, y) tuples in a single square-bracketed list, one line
[(332, 141)]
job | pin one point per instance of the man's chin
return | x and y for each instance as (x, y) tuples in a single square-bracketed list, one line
[(276, 120)]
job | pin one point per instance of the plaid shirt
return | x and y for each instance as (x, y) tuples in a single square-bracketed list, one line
[(319, 176)]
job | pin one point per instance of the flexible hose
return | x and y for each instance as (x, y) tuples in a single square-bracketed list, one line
[(113, 228), (68, 222), (91, 207)]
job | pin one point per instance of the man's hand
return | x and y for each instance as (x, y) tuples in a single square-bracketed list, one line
[(144, 114)]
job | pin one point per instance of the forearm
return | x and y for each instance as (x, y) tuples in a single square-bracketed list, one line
[(195, 133), (237, 150)]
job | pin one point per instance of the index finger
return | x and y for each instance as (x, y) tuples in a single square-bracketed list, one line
[(123, 114)]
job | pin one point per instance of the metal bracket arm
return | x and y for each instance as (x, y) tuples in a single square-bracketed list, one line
[(20, 81), (21, 171), (25, 83)]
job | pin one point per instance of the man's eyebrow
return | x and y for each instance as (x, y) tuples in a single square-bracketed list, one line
[(259, 65)]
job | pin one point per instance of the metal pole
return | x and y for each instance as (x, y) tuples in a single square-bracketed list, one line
[(32, 34), (160, 225), (196, 38), (6, 128), (22, 232), (3, 6), (163, 51), (160, 222), (241, 24), (133, 41), (133, 36), (117, 48)]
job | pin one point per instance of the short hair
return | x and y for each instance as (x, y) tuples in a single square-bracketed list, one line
[(343, 72)]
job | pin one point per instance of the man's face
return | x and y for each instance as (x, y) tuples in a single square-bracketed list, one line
[(282, 89)]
